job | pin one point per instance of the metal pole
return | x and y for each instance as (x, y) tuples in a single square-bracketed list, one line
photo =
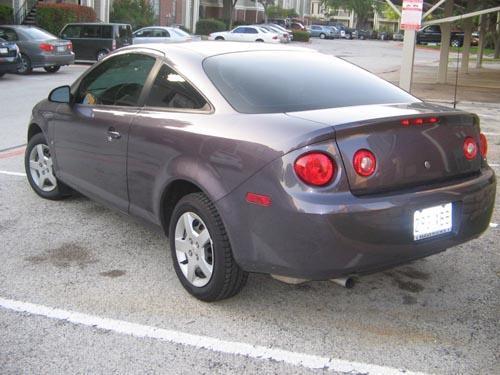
[(406, 73), (445, 44)]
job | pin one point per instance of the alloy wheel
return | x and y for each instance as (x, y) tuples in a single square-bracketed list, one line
[(194, 249), (40, 163)]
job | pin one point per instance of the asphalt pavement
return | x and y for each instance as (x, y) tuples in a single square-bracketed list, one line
[(120, 308)]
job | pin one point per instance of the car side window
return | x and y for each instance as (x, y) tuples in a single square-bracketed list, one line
[(72, 31), (251, 30), (239, 30), (171, 90), (117, 81), (107, 32), (91, 31), (160, 33), (8, 34)]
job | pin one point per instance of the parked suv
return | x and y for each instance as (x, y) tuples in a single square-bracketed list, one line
[(93, 41)]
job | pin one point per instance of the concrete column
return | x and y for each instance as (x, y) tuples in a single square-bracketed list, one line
[(445, 43), (482, 34), (406, 73), (195, 14), (464, 68)]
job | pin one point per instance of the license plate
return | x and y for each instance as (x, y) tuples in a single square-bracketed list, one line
[(61, 48), (432, 221), (4, 51)]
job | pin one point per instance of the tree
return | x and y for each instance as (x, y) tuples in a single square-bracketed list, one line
[(266, 4), (362, 8), (139, 13), (228, 6)]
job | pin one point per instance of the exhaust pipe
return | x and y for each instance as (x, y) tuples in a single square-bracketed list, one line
[(346, 282)]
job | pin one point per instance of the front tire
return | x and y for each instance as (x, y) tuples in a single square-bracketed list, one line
[(52, 69), (219, 38), (322, 36), (201, 251), (38, 164), (456, 43)]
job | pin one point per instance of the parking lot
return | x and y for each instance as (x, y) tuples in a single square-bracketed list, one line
[(86, 290)]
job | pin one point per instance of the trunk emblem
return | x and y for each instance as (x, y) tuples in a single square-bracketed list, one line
[(427, 165)]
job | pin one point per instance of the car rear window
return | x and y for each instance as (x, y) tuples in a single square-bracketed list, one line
[(37, 34), (274, 82)]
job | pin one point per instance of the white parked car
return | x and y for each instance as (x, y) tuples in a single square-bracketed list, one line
[(284, 35), (160, 34), (246, 34)]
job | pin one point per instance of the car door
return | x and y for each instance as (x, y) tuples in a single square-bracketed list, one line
[(237, 34), (315, 30), (252, 34), (161, 36), (143, 36), (91, 133), (156, 139)]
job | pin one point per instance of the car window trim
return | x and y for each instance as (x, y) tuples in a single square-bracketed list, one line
[(149, 85), (140, 102)]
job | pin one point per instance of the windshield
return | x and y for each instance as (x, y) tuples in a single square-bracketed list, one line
[(38, 34), (307, 81)]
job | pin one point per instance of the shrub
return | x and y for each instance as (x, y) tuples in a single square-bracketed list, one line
[(138, 13), (5, 14), (300, 36), (208, 26), (52, 17)]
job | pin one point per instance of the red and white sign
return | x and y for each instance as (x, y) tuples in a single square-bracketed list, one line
[(411, 15)]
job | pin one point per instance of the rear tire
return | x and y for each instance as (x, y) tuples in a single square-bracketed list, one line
[(195, 217), (260, 41), (25, 65), (38, 164), (52, 69), (456, 43), (101, 55)]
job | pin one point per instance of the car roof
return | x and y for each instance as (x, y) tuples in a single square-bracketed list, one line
[(98, 23), (203, 49)]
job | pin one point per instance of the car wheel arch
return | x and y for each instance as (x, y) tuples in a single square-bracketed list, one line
[(34, 129), (171, 195)]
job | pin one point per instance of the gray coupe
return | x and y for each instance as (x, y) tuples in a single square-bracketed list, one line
[(246, 168)]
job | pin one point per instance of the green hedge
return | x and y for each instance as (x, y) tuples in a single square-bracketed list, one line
[(5, 14), (52, 17), (208, 26), (300, 36)]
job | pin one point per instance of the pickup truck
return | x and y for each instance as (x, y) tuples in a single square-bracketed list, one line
[(432, 34)]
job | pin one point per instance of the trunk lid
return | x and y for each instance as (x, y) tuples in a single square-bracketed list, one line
[(407, 156)]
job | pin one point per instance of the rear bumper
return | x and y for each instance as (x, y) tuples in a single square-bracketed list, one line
[(41, 61), (305, 236), (9, 64)]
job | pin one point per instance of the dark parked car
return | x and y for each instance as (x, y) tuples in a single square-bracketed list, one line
[(38, 48), (192, 138), (432, 34), (93, 41), (9, 57)]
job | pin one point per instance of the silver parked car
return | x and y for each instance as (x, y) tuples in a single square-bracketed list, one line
[(160, 34), (38, 48)]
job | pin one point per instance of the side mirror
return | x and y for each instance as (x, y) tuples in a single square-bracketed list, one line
[(60, 94)]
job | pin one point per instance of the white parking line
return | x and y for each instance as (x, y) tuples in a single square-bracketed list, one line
[(489, 133), (202, 342), (493, 225), (13, 173)]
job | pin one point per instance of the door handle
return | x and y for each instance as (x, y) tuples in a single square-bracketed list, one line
[(113, 134)]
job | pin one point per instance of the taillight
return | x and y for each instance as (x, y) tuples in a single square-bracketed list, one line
[(364, 163), (483, 145), (315, 168), (46, 47), (470, 148), (70, 46), (275, 37), (419, 121)]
